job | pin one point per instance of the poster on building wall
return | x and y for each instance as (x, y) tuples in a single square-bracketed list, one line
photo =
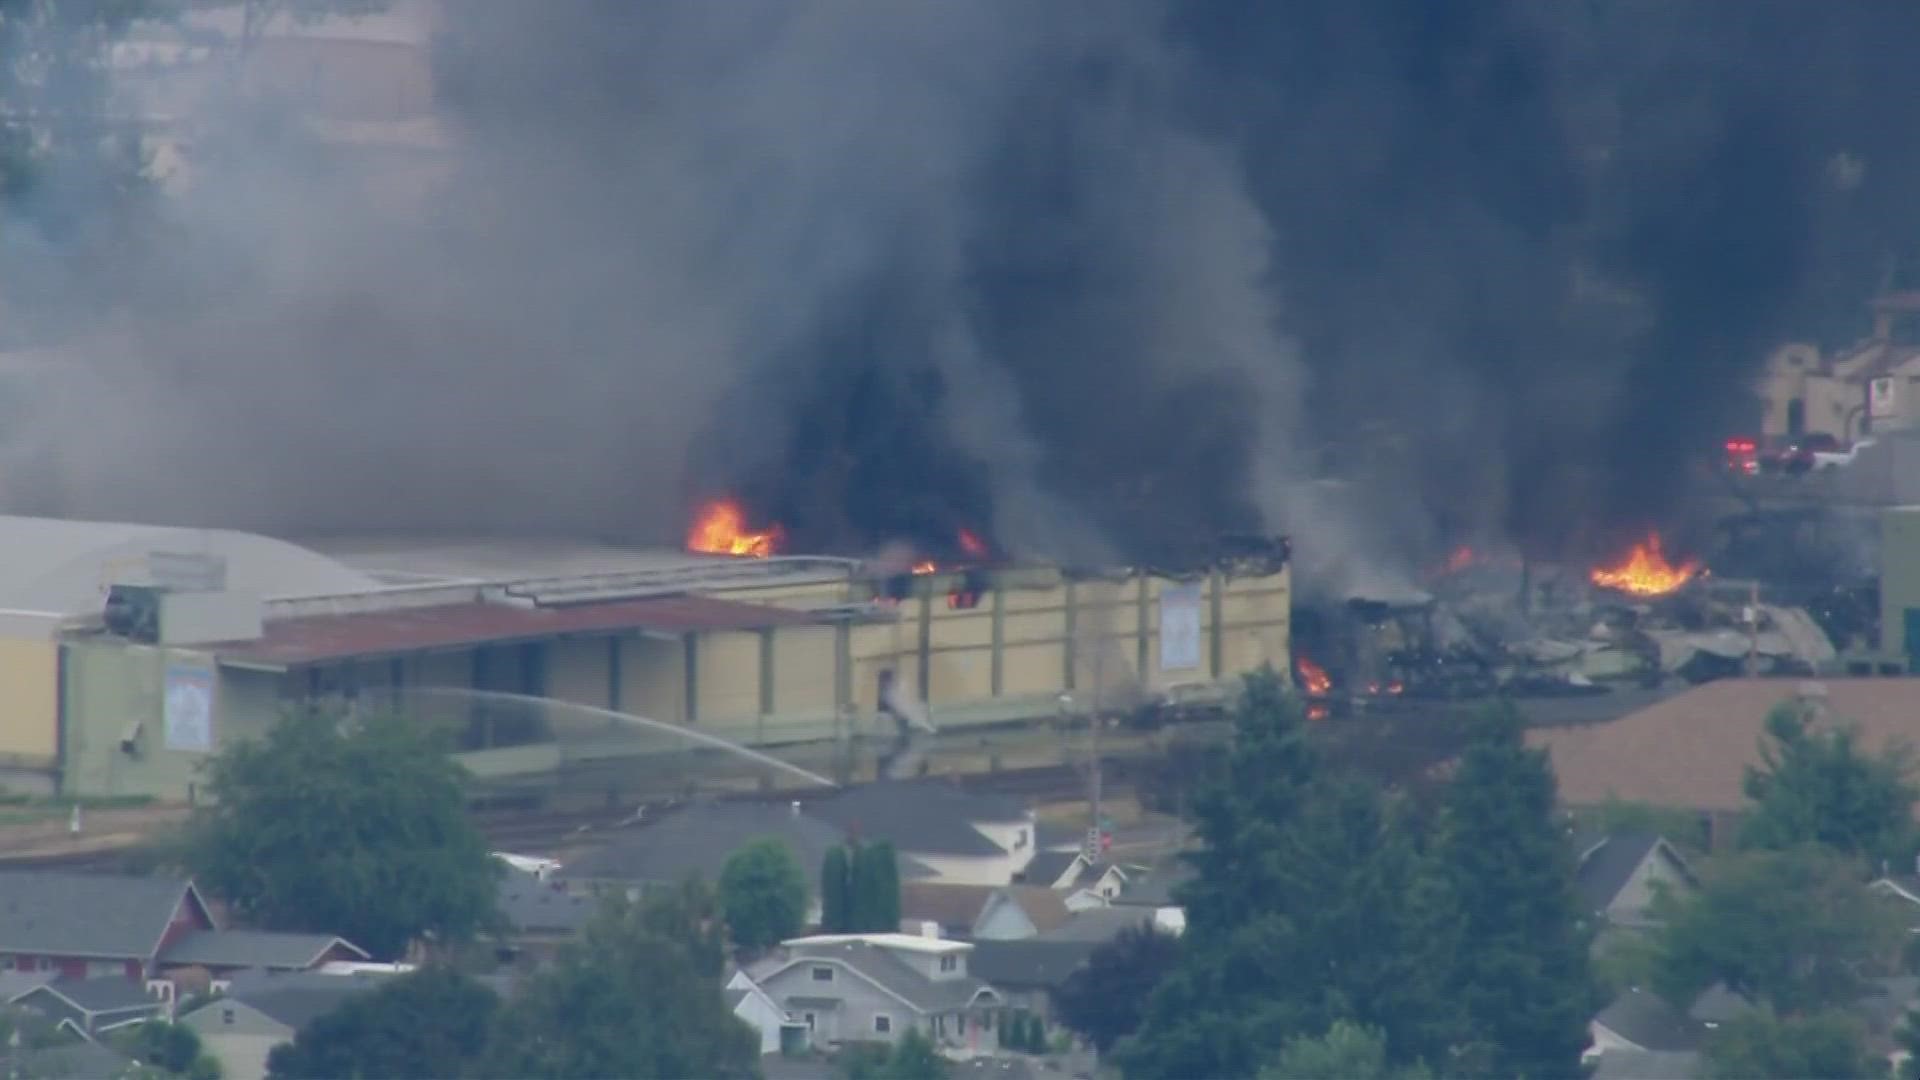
[(188, 709), (1180, 627), (1882, 401)]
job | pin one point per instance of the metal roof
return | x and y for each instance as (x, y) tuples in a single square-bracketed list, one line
[(316, 639), (254, 949), (109, 917)]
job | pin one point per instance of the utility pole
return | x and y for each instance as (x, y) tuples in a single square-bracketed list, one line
[(1093, 784), (1752, 615)]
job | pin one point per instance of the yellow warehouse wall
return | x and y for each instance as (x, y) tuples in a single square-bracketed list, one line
[(729, 678), (578, 670), (653, 675), (29, 725), (803, 670)]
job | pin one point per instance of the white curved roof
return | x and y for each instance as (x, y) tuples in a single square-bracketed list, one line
[(64, 567)]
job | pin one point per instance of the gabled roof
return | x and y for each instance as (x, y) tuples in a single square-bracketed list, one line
[(96, 996), (1643, 1019), (255, 949), (1692, 750), (1155, 886), (1099, 924), (1606, 867), (1647, 1065), (83, 1057), (1044, 908), (1049, 867), (103, 916), (933, 817), (953, 905), (695, 840), (891, 974), (1035, 962), (294, 1002)]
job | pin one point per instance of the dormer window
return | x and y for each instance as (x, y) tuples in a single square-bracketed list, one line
[(822, 974), (949, 963)]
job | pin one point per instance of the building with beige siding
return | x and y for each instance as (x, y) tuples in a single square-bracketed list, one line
[(545, 651)]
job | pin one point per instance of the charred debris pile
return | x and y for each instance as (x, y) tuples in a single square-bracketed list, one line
[(1485, 625)]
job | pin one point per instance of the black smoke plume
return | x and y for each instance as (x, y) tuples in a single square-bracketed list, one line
[(1097, 279)]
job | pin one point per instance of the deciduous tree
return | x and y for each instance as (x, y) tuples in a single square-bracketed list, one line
[(1520, 962), (431, 1022), (1829, 1045), (763, 895), (637, 995), (1818, 787), (347, 825), (1347, 1052), (1795, 929), (1105, 999)]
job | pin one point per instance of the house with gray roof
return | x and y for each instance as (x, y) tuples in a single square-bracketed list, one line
[(242, 1026), (80, 926), (696, 840), (876, 987), (80, 1057), (1621, 873), (962, 836), (222, 952), (85, 925), (92, 1006), (1027, 973)]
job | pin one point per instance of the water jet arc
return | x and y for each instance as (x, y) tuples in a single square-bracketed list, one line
[(701, 737)]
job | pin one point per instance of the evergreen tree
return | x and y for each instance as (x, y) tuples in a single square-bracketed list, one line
[(836, 891), (1309, 907), (1817, 787), (885, 885), (875, 889), (1521, 959)]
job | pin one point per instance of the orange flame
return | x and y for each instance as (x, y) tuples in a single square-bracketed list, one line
[(1318, 711), (926, 566), (1645, 571), (1461, 558), (1313, 678), (720, 528), (972, 544)]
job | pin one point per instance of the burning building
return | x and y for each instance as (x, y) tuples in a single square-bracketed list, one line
[(200, 637)]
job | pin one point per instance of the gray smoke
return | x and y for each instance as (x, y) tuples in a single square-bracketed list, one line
[(1097, 279)]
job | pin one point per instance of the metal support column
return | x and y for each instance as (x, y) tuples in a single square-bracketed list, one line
[(1216, 606), (997, 671), (1072, 642), (692, 657)]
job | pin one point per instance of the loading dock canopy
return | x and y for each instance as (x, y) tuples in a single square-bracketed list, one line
[(321, 639)]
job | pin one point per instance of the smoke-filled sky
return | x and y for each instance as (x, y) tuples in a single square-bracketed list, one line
[(1101, 279)]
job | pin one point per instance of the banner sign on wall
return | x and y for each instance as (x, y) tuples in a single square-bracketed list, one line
[(188, 709), (1180, 627)]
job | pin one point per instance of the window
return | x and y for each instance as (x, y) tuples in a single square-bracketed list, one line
[(949, 963), (823, 974), (226, 1016), (809, 1021), (883, 1024), (1020, 841), (6, 963)]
